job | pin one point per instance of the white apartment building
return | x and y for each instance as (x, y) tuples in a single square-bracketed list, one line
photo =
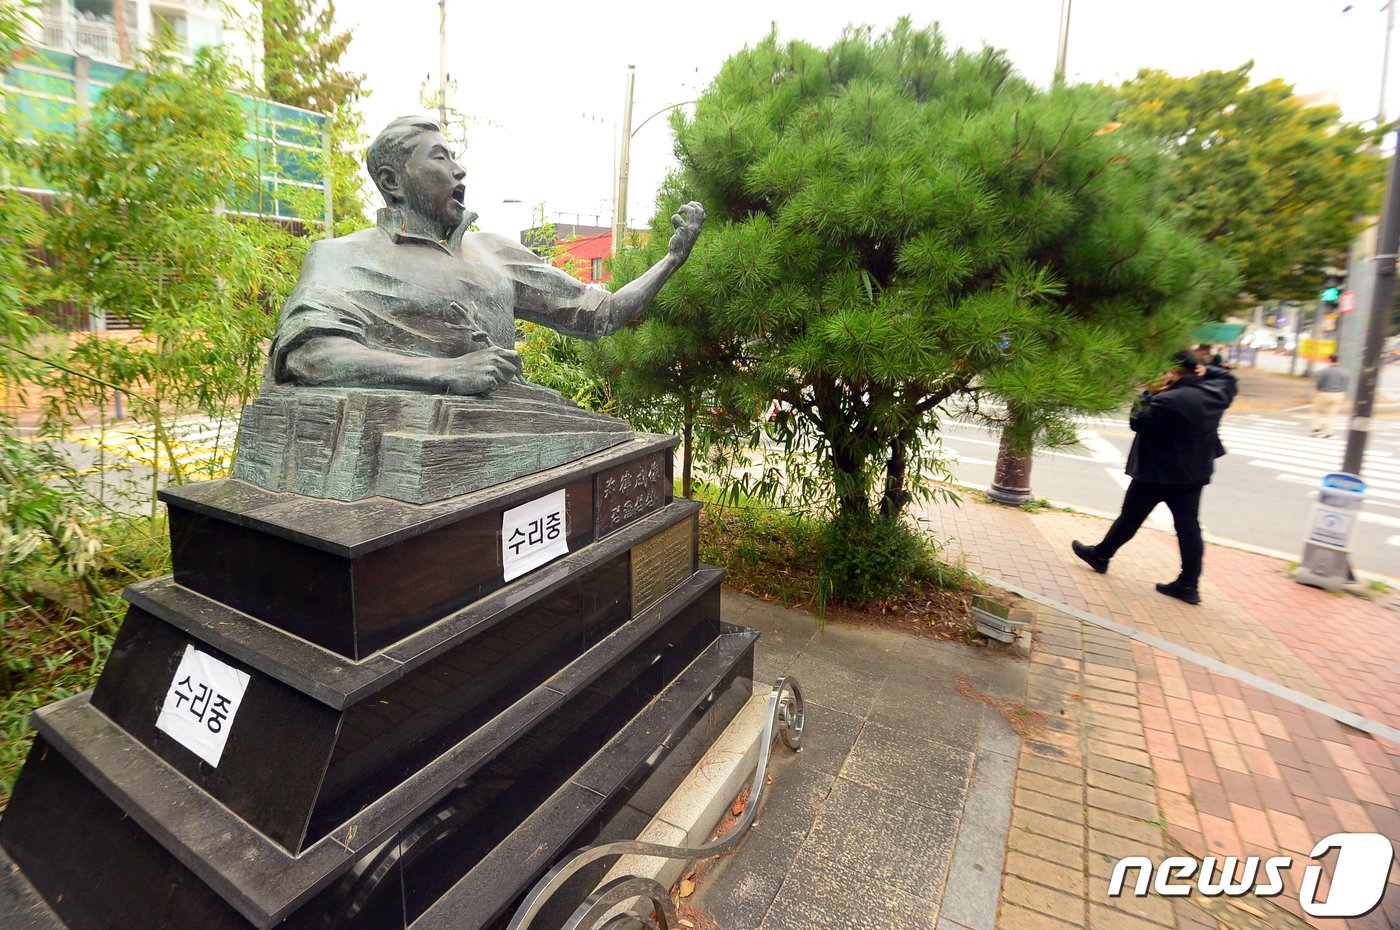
[(91, 27)]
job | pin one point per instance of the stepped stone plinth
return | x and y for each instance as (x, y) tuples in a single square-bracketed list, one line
[(399, 730)]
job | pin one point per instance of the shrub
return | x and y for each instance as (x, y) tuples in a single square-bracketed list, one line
[(865, 559)]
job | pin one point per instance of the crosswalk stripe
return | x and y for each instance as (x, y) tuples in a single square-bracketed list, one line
[(1382, 493), (1369, 473), (1295, 447), (1314, 475)]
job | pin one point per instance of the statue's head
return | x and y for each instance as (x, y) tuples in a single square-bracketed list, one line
[(412, 165)]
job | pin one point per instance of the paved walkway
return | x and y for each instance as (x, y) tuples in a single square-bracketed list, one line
[(895, 813), (1165, 729), (1241, 758)]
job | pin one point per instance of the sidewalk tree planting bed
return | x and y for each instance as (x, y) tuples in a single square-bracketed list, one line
[(774, 554)]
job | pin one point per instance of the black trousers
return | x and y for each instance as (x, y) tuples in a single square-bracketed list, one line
[(1183, 500)]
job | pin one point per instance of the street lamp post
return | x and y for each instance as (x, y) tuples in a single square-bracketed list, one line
[(442, 64), (620, 206), (1382, 295), (1385, 61), (1385, 56), (1064, 42)]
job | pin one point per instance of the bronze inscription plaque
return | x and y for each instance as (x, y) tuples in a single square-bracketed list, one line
[(629, 491), (660, 563)]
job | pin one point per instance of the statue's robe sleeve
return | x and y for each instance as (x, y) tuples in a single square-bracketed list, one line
[(551, 296)]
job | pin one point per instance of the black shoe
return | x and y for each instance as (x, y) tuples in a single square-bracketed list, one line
[(1179, 591), (1097, 562)]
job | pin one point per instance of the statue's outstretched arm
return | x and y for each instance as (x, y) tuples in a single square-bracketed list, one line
[(634, 296)]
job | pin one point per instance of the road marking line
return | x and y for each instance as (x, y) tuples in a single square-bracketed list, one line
[(1370, 491), (1306, 469), (957, 459)]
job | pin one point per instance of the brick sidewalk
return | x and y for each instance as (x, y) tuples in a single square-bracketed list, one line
[(1147, 752)]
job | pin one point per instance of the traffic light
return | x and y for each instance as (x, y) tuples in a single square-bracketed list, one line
[(1332, 289)]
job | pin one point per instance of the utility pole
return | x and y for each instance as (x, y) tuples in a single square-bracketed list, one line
[(442, 65), (1385, 61), (1297, 337), (1382, 294), (620, 205), (1326, 559), (1064, 42)]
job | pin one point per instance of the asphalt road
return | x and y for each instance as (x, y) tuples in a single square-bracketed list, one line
[(1263, 492)]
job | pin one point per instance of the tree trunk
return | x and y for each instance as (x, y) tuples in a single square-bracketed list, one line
[(896, 496), (852, 499), (1011, 484)]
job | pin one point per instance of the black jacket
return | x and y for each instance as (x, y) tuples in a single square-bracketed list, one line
[(1177, 440)]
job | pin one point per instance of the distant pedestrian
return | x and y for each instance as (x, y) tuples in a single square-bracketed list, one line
[(1206, 355), (1171, 461), (1328, 394)]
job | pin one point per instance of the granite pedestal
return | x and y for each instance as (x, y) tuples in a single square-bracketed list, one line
[(419, 738)]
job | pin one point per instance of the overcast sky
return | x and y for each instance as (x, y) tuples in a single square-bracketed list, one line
[(545, 81)]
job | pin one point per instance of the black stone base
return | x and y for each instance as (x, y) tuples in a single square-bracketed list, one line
[(425, 783), (356, 577)]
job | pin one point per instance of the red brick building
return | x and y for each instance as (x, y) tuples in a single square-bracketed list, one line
[(584, 249), (586, 255)]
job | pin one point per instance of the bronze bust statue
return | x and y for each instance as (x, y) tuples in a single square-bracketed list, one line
[(419, 303), (393, 372)]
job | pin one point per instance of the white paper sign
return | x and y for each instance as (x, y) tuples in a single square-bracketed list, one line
[(202, 701), (533, 534)]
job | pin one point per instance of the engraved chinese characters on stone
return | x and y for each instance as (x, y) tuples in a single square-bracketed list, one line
[(627, 492)]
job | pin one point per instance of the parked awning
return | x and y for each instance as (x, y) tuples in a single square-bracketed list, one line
[(1218, 333)]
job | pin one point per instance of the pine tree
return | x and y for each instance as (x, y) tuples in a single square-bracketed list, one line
[(894, 224)]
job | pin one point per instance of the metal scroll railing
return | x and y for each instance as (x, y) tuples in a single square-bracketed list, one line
[(786, 717)]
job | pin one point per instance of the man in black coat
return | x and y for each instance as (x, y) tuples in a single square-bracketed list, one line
[(1171, 461)]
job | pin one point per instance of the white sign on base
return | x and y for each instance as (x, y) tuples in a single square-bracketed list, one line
[(534, 534), (202, 701)]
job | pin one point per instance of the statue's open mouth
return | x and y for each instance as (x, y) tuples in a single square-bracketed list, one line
[(459, 194)]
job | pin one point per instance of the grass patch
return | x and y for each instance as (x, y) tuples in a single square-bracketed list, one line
[(799, 561), (768, 553), (1034, 505), (55, 636)]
